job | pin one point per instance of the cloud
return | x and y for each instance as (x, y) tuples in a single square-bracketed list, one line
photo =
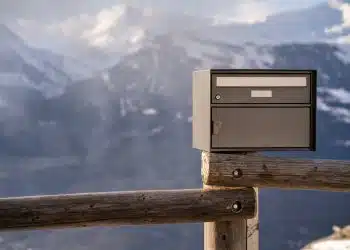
[(83, 24), (253, 11), (94, 24), (101, 30), (344, 7), (49, 10), (247, 12), (53, 10)]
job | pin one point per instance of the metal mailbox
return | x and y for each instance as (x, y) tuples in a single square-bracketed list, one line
[(254, 110)]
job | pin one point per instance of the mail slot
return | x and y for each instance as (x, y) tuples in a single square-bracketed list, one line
[(254, 110)]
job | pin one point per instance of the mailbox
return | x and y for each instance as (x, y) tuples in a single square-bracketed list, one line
[(254, 110)]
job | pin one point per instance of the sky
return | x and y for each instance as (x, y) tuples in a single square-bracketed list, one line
[(54, 10), (75, 21)]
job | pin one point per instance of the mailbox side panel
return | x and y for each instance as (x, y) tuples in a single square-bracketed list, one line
[(201, 122)]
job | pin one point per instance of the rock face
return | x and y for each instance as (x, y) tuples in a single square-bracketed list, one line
[(339, 240)]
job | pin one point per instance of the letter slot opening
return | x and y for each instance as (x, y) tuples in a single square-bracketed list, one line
[(261, 81)]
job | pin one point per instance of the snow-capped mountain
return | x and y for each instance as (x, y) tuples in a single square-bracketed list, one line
[(129, 127), (127, 26), (23, 66), (139, 111), (314, 24)]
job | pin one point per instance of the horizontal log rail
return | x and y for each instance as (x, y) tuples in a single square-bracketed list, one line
[(263, 171), (126, 208)]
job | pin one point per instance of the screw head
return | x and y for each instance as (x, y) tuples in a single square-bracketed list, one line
[(217, 97), (236, 207), (237, 173)]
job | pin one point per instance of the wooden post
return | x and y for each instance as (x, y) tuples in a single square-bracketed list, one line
[(263, 171), (235, 234), (125, 208)]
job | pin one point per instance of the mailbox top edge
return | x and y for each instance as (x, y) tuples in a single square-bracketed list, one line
[(262, 71)]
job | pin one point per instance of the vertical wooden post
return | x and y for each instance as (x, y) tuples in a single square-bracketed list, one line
[(225, 235), (238, 234), (253, 227)]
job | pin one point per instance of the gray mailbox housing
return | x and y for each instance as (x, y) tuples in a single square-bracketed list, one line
[(254, 110)]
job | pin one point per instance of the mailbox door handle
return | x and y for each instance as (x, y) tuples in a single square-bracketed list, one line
[(215, 127)]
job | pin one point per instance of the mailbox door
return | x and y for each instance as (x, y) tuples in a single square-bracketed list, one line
[(260, 127)]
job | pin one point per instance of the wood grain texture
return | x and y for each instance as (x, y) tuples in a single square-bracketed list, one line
[(225, 235), (124, 208), (235, 234), (262, 171), (253, 227)]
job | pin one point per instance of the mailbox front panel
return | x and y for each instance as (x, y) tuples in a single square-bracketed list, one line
[(261, 127), (257, 87)]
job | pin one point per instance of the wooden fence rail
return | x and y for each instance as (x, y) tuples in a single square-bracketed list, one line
[(262, 171), (228, 202), (126, 208)]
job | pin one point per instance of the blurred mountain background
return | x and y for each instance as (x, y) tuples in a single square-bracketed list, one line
[(102, 102)]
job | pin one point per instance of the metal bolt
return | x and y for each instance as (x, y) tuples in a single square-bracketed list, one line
[(236, 207), (217, 97), (237, 173)]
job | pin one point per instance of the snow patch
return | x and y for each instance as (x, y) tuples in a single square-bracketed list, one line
[(157, 130), (322, 105), (47, 123), (339, 95), (331, 245), (14, 79), (343, 53), (131, 106), (137, 36), (3, 103), (340, 113), (150, 111), (105, 76), (197, 50), (127, 105), (178, 116), (211, 52), (343, 143), (135, 65), (325, 78), (29, 56), (42, 163), (122, 107), (131, 86), (48, 90), (253, 56)]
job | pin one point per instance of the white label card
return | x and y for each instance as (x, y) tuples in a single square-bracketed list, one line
[(261, 93)]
